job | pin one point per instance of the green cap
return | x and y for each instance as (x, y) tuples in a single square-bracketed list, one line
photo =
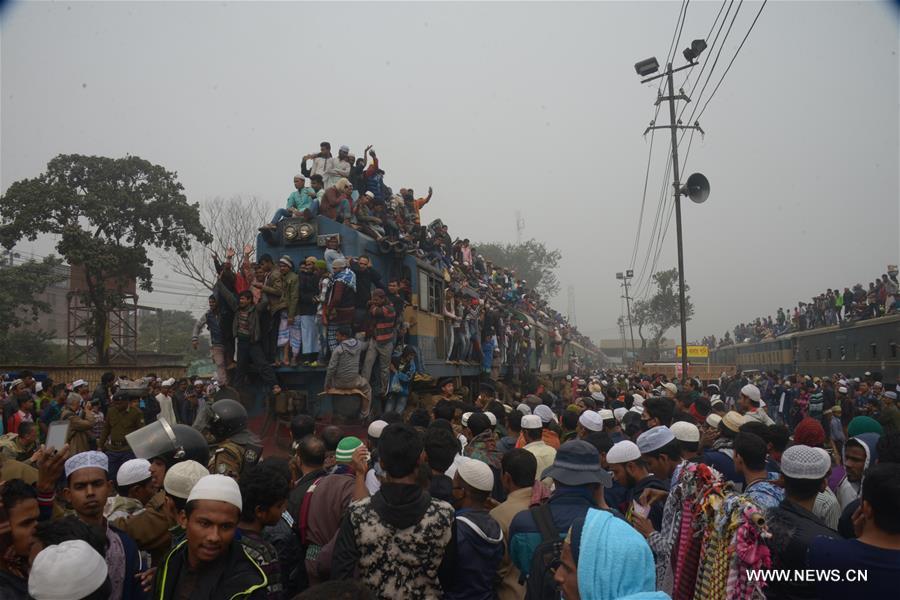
[(346, 448), (863, 424)]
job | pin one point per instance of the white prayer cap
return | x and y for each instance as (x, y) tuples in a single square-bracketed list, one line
[(623, 452), (638, 400), (543, 411), (70, 569), (713, 420), (685, 432), (375, 429), (752, 392), (492, 418), (620, 413), (654, 438), (524, 409), (133, 471), (671, 387), (476, 473), (75, 384), (168, 382), (606, 414), (182, 477), (217, 487), (531, 422), (464, 419), (805, 462), (591, 420), (87, 460)]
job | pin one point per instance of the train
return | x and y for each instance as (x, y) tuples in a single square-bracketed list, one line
[(852, 348), (429, 330)]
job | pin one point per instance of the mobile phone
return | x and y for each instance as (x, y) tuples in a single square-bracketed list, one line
[(56, 434), (639, 509)]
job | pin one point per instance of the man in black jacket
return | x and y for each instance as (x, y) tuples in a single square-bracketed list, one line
[(210, 564), (793, 524), (366, 279)]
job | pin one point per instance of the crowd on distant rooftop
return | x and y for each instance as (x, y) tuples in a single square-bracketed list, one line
[(831, 307)]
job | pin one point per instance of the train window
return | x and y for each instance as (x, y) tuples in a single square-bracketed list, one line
[(893, 350), (431, 293), (828, 353), (874, 350)]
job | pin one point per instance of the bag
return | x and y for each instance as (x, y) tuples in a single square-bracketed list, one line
[(540, 584), (302, 519)]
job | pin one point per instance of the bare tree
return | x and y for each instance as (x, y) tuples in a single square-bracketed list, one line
[(232, 222)]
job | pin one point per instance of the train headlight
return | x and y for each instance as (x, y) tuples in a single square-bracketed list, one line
[(290, 233)]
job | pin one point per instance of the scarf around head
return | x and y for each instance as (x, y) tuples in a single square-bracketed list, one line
[(347, 277)]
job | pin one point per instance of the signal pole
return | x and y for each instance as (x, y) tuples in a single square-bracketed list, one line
[(625, 276)]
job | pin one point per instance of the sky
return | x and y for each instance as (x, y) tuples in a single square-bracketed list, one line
[(501, 107)]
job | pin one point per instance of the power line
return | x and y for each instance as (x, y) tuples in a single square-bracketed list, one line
[(736, 52), (711, 48)]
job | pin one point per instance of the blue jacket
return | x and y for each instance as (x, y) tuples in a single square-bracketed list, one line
[(479, 550), (566, 505)]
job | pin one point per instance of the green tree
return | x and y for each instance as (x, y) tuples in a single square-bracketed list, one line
[(107, 213), (30, 347), (169, 332), (531, 260), (21, 287), (660, 312)]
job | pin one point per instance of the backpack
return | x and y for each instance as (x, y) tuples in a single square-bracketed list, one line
[(546, 557)]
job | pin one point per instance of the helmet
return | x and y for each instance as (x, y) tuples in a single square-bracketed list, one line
[(170, 443), (228, 418)]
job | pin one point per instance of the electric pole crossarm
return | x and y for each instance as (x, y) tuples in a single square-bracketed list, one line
[(676, 126)]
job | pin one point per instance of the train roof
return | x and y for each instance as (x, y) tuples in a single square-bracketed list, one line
[(822, 330)]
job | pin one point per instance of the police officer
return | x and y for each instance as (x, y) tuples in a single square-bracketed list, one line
[(237, 448), (163, 445)]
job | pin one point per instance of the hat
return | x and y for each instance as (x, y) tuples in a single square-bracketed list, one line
[(70, 569), (809, 432), (531, 422), (375, 429), (842, 390), (543, 411), (344, 148), (591, 420), (345, 449), (671, 387), (75, 384), (492, 418), (752, 392), (637, 409), (287, 261), (637, 400), (716, 399), (87, 460), (685, 432), (836, 409), (217, 487), (623, 452), (182, 477), (891, 395), (863, 424), (198, 382), (733, 420), (598, 397), (38, 387), (577, 463), (464, 419), (654, 438), (620, 413), (606, 414), (713, 420), (524, 409), (476, 473), (133, 471), (805, 462), (370, 195), (339, 263), (168, 382)]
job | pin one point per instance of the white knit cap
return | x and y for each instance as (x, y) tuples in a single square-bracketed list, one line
[(623, 452), (654, 438), (524, 409), (532, 422), (70, 569), (87, 460), (182, 477), (752, 392), (685, 432), (591, 420), (620, 413), (217, 487), (476, 473), (375, 428), (133, 471), (544, 412), (805, 462)]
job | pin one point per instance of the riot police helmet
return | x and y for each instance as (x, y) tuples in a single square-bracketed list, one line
[(228, 418), (169, 443)]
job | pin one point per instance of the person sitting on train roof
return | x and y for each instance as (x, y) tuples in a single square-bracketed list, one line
[(301, 203), (336, 201)]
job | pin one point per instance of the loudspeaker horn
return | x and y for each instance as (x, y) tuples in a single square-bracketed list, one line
[(696, 188)]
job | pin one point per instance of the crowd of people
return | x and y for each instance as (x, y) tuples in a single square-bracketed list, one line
[(831, 307), (266, 312), (604, 485)]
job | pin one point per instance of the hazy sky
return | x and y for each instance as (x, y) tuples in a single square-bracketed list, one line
[(501, 107)]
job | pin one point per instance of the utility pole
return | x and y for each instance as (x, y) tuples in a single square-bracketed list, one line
[(697, 187), (520, 226), (625, 276)]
